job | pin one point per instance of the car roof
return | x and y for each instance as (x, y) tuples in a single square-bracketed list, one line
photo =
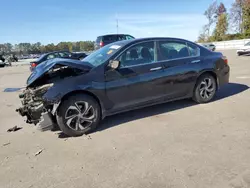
[(112, 35), (56, 52), (151, 38)]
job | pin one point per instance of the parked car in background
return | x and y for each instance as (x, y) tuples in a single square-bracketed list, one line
[(12, 58), (107, 39), (119, 77), (210, 46), (2, 64), (57, 54), (25, 57), (244, 49), (2, 58), (2, 61)]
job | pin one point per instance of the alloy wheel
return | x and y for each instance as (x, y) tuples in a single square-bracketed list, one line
[(80, 116), (207, 88)]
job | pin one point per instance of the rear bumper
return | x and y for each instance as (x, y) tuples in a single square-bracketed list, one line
[(224, 76)]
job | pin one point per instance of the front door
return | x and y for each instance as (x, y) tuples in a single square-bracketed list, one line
[(139, 79)]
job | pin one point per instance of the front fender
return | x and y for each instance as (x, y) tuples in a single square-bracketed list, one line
[(57, 92), (54, 98)]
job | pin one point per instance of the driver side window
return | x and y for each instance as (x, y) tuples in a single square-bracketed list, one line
[(139, 54)]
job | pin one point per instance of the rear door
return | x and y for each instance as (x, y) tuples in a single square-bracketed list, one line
[(181, 62), (138, 81)]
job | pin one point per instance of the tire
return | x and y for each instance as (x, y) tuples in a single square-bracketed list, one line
[(205, 89), (68, 115)]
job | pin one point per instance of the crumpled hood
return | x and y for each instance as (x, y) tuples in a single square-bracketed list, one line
[(45, 66)]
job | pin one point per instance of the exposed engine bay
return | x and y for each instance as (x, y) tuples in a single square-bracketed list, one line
[(33, 106)]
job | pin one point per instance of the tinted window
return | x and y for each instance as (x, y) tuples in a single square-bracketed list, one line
[(142, 53), (172, 50), (121, 37), (129, 37), (41, 57), (110, 38)]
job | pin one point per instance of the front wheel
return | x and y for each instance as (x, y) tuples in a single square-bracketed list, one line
[(205, 89), (78, 115)]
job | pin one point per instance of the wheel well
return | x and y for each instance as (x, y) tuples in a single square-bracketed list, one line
[(81, 92), (212, 74)]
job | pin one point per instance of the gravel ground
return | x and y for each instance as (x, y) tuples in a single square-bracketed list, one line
[(177, 145)]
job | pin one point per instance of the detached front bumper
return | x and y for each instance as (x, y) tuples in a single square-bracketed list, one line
[(34, 109)]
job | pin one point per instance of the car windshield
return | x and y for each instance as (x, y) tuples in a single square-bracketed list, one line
[(247, 44), (103, 54), (40, 58)]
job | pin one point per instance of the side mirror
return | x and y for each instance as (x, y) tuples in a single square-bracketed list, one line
[(114, 64)]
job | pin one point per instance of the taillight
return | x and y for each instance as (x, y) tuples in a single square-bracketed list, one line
[(101, 44), (225, 59), (33, 64)]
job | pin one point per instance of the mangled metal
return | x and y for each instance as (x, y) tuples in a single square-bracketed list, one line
[(32, 103), (38, 111)]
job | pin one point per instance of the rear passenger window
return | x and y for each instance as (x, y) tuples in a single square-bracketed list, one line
[(139, 54), (128, 37), (110, 38), (193, 50), (174, 50), (121, 37)]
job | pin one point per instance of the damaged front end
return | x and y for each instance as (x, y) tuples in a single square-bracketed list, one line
[(32, 103), (38, 111)]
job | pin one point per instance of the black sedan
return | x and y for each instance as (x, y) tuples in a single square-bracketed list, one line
[(119, 77), (57, 54)]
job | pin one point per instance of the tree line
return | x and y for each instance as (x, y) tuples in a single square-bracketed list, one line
[(219, 20), (38, 48)]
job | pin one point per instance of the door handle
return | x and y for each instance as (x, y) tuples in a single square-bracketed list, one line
[(195, 61), (155, 69)]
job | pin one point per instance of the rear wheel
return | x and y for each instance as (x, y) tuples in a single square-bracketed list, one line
[(78, 115), (205, 89)]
